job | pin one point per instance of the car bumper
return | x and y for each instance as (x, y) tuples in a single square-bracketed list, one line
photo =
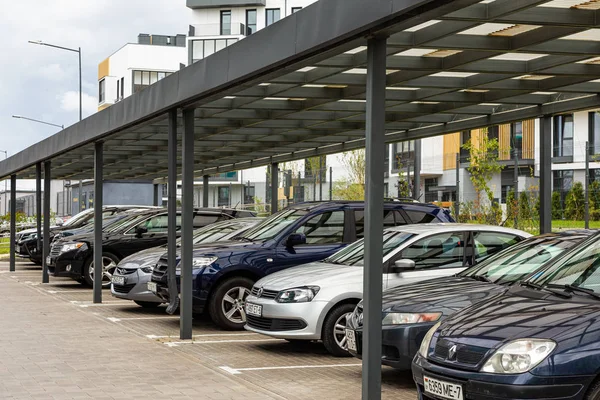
[(481, 386), (67, 267), (135, 287), (399, 343), (287, 321)]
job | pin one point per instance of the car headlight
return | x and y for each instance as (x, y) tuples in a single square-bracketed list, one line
[(519, 356), (409, 318), (203, 261), (147, 270), (71, 246), (424, 348), (297, 295)]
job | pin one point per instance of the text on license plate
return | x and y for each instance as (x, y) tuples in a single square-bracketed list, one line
[(118, 280), (351, 340), (152, 287), (445, 390), (253, 309)]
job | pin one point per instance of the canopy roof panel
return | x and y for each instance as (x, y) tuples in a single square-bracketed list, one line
[(297, 88)]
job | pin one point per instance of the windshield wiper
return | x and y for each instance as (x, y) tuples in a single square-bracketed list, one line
[(547, 289), (243, 239), (480, 278), (572, 288)]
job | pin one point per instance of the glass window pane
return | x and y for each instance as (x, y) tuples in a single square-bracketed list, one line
[(153, 77), (324, 228), (137, 77), (488, 243), (221, 44), (161, 75), (198, 49), (231, 41), (444, 250), (209, 47)]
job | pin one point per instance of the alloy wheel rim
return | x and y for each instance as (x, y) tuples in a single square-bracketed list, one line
[(339, 331), (108, 269), (233, 304)]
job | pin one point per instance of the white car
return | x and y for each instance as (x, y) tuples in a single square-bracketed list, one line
[(312, 301)]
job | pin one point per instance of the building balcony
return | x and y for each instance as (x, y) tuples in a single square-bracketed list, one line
[(235, 29), (199, 4)]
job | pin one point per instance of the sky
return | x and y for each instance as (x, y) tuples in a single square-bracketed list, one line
[(41, 82)]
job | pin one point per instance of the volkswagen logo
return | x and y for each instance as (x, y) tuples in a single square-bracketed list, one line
[(452, 353), (259, 292)]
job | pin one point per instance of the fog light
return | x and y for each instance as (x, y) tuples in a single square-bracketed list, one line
[(68, 268)]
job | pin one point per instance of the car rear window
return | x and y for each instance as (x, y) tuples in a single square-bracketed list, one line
[(390, 218), (420, 217)]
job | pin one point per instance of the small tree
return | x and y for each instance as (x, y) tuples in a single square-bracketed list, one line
[(511, 206), (353, 187), (524, 207), (557, 211), (402, 185), (574, 203)]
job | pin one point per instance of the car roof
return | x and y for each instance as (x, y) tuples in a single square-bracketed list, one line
[(310, 205), (420, 229)]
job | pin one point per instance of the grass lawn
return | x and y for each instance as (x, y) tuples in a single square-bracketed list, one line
[(559, 224), (4, 245)]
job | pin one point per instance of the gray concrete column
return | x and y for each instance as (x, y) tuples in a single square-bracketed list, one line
[(79, 202), (156, 194), (546, 174), (38, 206), (375, 147), (187, 231), (417, 171), (205, 190), (457, 196), (13, 220), (274, 187), (516, 186), (46, 233), (172, 214), (586, 192), (98, 197)]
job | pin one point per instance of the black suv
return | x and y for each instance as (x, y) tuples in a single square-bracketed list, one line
[(224, 273), (73, 256)]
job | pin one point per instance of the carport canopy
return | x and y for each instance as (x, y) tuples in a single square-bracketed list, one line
[(336, 76)]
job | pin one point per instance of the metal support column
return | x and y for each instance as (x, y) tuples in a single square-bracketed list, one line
[(205, 190), (46, 233), (274, 187), (156, 190), (172, 214), (80, 202), (320, 178), (187, 231), (587, 186), (13, 221), (516, 186), (330, 183), (417, 171), (546, 174), (38, 206), (375, 147), (98, 200), (457, 196)]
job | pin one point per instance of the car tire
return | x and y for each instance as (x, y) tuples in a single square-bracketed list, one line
[(109, 261), (226, 309), (594, 391), (334, 335), (147, 304)]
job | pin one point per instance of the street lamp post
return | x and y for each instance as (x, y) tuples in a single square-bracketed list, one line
[(78, 51), (37, 120)]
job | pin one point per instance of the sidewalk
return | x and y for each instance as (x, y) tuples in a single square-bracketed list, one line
[(52, 350)]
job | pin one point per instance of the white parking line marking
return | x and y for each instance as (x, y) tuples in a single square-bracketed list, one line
[(113, 319), (68, 291), (103, 302), (237, 371), (175, 344), (204, 335)]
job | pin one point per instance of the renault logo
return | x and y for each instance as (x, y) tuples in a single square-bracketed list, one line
[(452, 353)]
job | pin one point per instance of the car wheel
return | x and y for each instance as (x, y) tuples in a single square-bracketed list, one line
[(334, 330), (228, 301), (594, 391), (147, 304), (109, 264)]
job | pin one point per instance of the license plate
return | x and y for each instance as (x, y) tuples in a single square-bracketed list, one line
[(445, 390), (254, 309), (152, 287), (48, 261), (351, 340), (118, 280)]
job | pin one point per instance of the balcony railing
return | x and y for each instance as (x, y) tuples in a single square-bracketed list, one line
[(234, 29)]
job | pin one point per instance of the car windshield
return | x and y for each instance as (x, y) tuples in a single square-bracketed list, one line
[(125, 221), (518, 261), (217, 232), (273, 225), (77, 218), (354, 254), (578, 270)]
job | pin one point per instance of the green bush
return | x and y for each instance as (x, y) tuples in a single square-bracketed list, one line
[(574, 203), (524, 208), (557, 211)]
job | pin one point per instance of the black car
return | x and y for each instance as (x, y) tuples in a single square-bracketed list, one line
[(224, 273), (410, 311), (26, 240), (73, 256), (538, 340)]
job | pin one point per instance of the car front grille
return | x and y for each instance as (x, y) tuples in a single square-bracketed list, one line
[(160, 270), (55, 249), (123, 289), (464, 354), (123, 271), (266, 294), (275, 324)]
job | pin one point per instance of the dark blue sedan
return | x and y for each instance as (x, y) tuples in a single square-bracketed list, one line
[(539, 340)]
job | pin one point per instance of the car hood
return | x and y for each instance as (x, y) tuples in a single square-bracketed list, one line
[(316, 273), (447, 295), (144, 258), (224, 249), (522, 313)]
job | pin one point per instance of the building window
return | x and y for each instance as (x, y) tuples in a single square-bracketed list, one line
[(204, 48), (118, 89), (517, 139), (122, 88), (594, 132), (296, 9), (250, 22), (563, 136), (431, 193), (249, 194), (142, 79), (101, 91), (404, 154), (273, 15), (223, 199), (226, 22)]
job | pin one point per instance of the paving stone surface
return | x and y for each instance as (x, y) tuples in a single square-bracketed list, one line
[(56, 344)]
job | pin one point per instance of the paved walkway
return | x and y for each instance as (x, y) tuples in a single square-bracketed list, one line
[(52, 350)]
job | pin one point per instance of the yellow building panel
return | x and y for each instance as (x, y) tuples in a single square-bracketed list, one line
[(103, 106), (103, 68), (529, 139), (504, 142), (451, 148)]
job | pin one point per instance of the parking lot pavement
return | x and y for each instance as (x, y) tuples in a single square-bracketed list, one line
[(58, 344)]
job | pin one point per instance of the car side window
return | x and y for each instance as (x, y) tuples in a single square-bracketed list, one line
[(444, 250), (201, 220), (156, 224), (390, 218), (324, 228), (488, 243), (420, 217)]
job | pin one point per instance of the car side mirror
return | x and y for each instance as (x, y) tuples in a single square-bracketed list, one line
[(140, 230), (59, 222), (403, 265), (295, 239)]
